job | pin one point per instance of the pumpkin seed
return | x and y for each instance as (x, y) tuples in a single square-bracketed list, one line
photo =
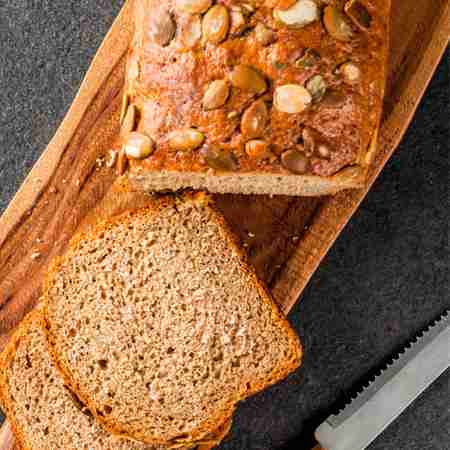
[(216, 95), (295, 161), (358, 14), (264, 35), (138, 146), (220, 159), (248, 79), (194, 6), (257, 149), (254, 120), (237, 22), (292, 98), (187, 139), (232, 115), (336, 24), (192, 32), (161, 27), (308, 59), (299, 15), (350, 72), (129, 121), (216, 24), (316, 87)]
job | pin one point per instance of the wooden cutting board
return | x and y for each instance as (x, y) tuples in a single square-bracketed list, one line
[(286, 238)]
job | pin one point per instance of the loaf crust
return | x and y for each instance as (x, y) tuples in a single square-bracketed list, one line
[(222, 417), (166, 86)]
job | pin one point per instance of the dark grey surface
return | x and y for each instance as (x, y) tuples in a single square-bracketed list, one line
[(386, 277)]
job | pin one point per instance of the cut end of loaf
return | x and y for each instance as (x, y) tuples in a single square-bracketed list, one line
[(157, 308), (254, 183)]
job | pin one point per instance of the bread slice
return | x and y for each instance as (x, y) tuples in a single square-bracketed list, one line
[(160, 326), (278, 99), (43, 412)]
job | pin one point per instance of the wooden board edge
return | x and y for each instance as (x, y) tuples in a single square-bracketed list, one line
[(105, 60), (289, 285)]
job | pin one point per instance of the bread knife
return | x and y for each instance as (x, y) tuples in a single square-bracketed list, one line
[(388, 394)]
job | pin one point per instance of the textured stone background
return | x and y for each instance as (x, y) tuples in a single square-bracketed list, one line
[(386, 277)]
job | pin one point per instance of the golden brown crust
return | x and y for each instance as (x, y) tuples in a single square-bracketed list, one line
[(166, 83), (212, 423)]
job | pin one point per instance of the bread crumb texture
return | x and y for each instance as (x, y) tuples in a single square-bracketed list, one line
[(160, 326)]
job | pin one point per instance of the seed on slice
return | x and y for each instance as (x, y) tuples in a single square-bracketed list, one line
[(337, 24), (264, 35), (216, 95), (257, 149), (254, 120), (216, 24), (191, 33), (187, 139), (248, 79), (299, 15), (358, 14), (161, 27), (129, 121), (295, 161), (350, 72), (292, 98), (308, 59), (138, 146), (220, 159), (317, 87), (194, 6)]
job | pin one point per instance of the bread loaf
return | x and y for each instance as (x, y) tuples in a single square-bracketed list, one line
[(160, 326), (255, 96)]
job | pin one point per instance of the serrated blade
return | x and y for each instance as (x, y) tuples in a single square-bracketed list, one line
[(380, 403)]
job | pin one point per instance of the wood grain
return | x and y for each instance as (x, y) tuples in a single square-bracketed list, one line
[(286, 238)]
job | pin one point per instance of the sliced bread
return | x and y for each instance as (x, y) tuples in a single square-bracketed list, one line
[(43, 412), (160, 326)]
